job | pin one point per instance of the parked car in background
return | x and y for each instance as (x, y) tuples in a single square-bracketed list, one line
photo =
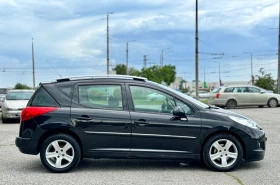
[(65, 125), (243, 95), (201, 94), (14, 102), (3, 92), (155, 96)]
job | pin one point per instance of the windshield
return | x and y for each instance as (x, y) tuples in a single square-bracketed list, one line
[(196, 102), (19, 95)]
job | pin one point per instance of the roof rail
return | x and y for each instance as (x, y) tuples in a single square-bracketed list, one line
[(105, 76)]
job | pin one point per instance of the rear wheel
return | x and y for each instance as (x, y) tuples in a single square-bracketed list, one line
[(231, 104), (60, 153), (222, 152), (272, 102)]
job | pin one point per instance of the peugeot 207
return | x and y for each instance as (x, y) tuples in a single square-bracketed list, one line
[(111, 117)]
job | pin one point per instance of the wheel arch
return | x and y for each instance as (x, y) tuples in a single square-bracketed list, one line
[(59, 131), (223, 132)]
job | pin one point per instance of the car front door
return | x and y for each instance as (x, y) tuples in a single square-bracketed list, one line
[(155, 132), (256, 96), (99, 112)]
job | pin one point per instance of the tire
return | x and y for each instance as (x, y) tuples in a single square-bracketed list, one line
[(58, 159), (222, 152), (231, 104), (4, 120), (272, 102)]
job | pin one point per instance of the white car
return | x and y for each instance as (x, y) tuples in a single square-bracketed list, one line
[(155, 96), (201, 94), (14, 103)]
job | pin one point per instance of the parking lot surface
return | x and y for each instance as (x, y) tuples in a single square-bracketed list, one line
[(18, 168)]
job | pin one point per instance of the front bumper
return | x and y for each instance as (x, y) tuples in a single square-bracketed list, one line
[(11, 114), (27, 145), (255, 150)]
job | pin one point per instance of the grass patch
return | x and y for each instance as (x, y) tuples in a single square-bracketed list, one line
[(204, 101)]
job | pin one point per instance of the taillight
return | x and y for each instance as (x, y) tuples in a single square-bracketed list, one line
[(32, 112), (218, 95)]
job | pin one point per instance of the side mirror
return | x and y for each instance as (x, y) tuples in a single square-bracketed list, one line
[(263, 91), (179, 113)]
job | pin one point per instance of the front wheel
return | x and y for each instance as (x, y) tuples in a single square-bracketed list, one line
[(272, 102), (60, 153), (222, 152)]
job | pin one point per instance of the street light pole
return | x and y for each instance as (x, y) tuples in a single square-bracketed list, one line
[(196, 49), (108, 50), (278, 78), (33, 67)]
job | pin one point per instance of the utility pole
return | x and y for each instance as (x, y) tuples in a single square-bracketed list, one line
[(108, 52), (252, 77), (33, 68), (145, 61), (161, 56), (278, 79), (196, 49), (220, 81), (127, 58), (127, 55)]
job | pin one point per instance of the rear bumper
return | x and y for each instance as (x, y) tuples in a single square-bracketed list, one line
[(27, 145)]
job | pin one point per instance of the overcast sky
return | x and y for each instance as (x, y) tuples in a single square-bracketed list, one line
[(70, 37)]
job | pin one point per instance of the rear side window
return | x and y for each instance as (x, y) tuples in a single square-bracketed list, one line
[(230, 89), (101, 96), (43, 99)]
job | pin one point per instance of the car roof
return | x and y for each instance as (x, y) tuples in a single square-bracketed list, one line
[(105, 77)]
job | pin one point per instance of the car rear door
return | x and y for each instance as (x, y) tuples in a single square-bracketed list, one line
[(99, 112), (154, 131)]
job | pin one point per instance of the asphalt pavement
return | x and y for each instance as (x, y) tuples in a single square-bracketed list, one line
[(18, 168)]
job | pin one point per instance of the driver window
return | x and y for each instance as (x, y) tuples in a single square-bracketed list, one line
[(150, 100)]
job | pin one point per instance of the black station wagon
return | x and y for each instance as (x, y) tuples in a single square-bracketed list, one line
[(114, 117)]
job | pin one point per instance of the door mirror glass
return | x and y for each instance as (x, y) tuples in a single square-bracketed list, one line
[(179, 113)]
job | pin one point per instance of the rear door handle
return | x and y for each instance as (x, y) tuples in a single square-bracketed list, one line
[(141, 122), (84, 117)]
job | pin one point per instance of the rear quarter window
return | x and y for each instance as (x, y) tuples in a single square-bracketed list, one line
[(43, 99)]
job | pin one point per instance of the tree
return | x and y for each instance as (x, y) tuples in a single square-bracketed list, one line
[(154, 73), (265, 80), (21, 86), (120, 69)]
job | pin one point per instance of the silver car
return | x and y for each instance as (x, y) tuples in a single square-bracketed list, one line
[(3, 92), (233, 96), (14, 103)]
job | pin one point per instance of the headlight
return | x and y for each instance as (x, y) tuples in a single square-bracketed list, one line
[(244, 121), (1, 99)]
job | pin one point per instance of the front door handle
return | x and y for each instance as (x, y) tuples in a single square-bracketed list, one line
[(141, 122), (84, 117)]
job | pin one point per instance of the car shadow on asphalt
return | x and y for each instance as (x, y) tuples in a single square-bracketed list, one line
[(87, 165)]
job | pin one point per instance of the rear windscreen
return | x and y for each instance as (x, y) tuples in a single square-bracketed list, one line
[(216, 90)]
